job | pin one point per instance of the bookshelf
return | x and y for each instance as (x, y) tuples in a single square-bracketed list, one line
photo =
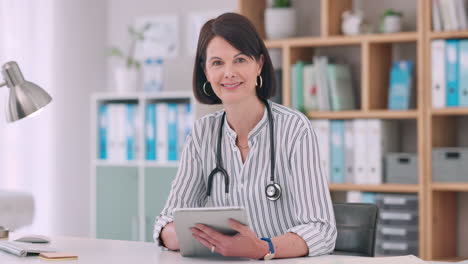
[(434, 127), (441, 125), (126, 195)]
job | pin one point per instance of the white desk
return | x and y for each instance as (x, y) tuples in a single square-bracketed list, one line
[(100, 251)]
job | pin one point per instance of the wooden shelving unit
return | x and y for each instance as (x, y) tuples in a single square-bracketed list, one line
[(381, 114), (441, 127), (435, 127), (391, 188)]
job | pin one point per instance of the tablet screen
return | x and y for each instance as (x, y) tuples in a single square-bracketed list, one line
[(213, 217)]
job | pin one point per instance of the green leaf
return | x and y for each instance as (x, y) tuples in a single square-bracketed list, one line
[(281, 3), (116, 52)]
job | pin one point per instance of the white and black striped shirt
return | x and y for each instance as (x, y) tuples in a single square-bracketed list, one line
[(305, 206)]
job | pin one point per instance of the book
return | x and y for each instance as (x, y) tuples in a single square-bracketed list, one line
[(401, 80), (298, 85), (322, 83), (310, 89), (340, 87), (436, 16), (57, 255)]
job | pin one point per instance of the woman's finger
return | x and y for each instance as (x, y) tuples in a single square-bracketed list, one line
[(204, 235), (217, 236), (242, 229), (204, 242)]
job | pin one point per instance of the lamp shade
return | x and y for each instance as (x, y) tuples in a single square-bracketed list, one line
[(25, 97)]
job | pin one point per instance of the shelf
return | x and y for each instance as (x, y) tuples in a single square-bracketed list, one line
[(124, 163), (450, 111), (448, 34), (104, 96), (380, 114), (156, 164), (456, 187), (396, 188), (342, 40)]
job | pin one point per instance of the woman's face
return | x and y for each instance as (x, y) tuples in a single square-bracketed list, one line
[(231, 73)]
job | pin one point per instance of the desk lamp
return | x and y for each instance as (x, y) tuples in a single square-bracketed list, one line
[(25, 99)]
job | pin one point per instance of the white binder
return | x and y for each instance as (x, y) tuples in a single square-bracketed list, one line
[(349, 151), (382, 137), (438, 73), (360, 150)]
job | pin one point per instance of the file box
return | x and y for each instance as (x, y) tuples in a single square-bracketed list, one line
[(401, 168), (450, 165)]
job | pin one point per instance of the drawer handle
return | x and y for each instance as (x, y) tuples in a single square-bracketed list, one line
[(452, 155), (403, 160)]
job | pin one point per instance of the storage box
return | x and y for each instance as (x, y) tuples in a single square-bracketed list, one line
[(404, 202), (398, 218), (401, 168), (396, 248), (450, 165), (397, 233)]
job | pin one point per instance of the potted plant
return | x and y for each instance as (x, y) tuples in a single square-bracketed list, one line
[(127, 74), (280, 20), (390, 21)]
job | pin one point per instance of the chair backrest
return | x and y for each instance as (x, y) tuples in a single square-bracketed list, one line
[(356, 224)]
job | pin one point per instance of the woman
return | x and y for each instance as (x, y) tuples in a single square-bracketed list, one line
[(233, 68)]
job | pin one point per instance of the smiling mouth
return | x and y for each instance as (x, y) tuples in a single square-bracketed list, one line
[(231, 85)]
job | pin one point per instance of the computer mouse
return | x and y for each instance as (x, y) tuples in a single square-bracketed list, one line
[(33, 239)]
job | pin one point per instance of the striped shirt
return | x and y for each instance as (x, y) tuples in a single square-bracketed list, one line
[(305, 206)]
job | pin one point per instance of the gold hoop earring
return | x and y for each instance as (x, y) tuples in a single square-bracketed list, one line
[(204, 89), (261, 82)]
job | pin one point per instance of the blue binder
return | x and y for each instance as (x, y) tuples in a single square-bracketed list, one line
[(150, 131), (172, 131), (102, 130), (400, 85), (463, 73), (130, 128), (451, 71), (337, 151)]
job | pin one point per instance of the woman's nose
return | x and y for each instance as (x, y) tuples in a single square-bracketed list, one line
[(229, 72)]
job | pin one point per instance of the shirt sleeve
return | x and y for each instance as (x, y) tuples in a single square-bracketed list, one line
[(188, 188), (312, 203)]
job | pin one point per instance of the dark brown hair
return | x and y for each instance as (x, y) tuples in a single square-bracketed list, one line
[(241, 34)]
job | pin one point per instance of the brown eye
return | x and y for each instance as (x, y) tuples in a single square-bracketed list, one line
[(240, 60), (216, 63)]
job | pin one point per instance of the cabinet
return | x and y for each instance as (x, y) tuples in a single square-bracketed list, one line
[(371, 56), (129, 191)]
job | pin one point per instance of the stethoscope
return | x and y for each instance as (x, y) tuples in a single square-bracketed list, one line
[(272, 190)]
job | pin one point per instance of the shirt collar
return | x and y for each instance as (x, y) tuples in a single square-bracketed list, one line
[(232, 135)]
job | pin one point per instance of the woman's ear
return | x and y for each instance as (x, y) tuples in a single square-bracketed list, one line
[(260, 62)]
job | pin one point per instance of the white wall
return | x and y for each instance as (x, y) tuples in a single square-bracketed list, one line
[(178, 70), (80, 66)]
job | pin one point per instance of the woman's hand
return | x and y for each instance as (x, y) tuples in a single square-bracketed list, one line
[(245, 244), (169, 238)]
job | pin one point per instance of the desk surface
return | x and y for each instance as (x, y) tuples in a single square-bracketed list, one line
[(92, 251)]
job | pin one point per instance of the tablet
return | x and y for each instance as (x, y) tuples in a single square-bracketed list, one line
[(214, 217)]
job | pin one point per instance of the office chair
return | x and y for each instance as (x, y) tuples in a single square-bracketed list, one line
[(356, 224)]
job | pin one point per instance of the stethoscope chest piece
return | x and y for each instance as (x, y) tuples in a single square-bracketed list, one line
[(273, 191)]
